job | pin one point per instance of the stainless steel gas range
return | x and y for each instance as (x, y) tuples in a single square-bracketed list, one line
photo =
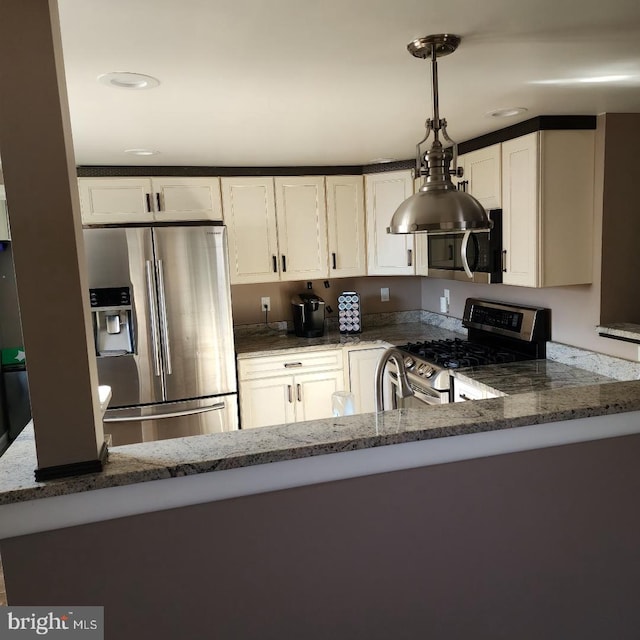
[(497, 332)]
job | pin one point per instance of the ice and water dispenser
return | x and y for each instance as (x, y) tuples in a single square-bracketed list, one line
[(112, 320)]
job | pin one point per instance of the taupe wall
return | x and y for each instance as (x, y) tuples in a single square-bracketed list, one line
[(540, 544), (404, 295), (621, 222)]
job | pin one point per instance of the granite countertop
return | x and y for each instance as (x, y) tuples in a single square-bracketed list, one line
[(626, 331), (540, 392), (132, 464), (271, 342), (531, 375)]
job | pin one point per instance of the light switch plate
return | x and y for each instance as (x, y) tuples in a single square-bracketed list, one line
[(384, 294)]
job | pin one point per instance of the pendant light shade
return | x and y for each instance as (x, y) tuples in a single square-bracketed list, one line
[(438, 207)]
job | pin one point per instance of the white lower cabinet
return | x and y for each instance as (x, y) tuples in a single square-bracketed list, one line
[(464, 390), (361, 365), (288, 388)]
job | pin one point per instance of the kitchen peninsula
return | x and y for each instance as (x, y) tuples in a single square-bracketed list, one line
[(491, 485)]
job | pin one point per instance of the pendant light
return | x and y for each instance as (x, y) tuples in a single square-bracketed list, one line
[(438, 207)]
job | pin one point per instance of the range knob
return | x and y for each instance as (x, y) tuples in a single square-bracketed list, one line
[(409, 362), (425, 370)]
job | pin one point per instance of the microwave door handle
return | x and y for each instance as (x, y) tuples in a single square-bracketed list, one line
[(463, 254), (476, 246)]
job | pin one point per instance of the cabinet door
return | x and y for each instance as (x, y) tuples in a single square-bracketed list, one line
[(362, 369), (302, 227), (187, 198), (345, 217), (387, 254), (520, 226), (460, 164), (115, 200), (420, 243), (482, 171), (250, 217), (5, 233), (267, 402), (313, 394)]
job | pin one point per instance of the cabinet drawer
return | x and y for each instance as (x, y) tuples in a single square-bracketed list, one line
[(463, 391), (294, 362)]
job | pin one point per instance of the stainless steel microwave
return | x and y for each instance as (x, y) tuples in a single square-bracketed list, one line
[(483, 252)]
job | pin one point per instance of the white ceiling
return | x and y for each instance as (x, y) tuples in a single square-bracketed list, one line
[(330, 82)]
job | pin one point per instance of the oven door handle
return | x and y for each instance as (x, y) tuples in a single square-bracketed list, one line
[(420, 394)]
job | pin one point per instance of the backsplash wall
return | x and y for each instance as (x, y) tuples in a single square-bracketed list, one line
[(404, 295)]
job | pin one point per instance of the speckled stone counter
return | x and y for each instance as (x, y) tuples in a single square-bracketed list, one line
[(524, 377), (621, 331), (272, 342), (139, 463), (539, 392)]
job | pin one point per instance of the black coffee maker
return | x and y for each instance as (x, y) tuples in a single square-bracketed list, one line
[(308, 315)]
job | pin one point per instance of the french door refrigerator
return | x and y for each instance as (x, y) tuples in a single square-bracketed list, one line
[(162, 323)]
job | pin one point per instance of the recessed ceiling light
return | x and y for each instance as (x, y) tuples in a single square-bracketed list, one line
[(506, 112), (142, 152), (128, 80)]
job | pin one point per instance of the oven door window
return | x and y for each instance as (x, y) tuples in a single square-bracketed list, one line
[(445, 251)]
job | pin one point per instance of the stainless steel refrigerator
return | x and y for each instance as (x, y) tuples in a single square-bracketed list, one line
[(161, 311)]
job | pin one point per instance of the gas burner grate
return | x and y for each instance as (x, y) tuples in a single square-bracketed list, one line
[(456, 353)]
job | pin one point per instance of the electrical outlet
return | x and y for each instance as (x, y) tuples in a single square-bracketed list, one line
[(384, 294), (265, 303)]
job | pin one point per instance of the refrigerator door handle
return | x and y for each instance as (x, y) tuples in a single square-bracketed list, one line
[(176, 414), (163, 318), (153, 318)]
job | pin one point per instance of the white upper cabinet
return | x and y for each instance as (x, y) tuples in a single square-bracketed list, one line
[(547, 202), (387, 254), (187, 198), (250, 216), (346, 226), (483, 175), (302, 227), (277, 228), (115, 200), (122, 200), (420, 242)]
